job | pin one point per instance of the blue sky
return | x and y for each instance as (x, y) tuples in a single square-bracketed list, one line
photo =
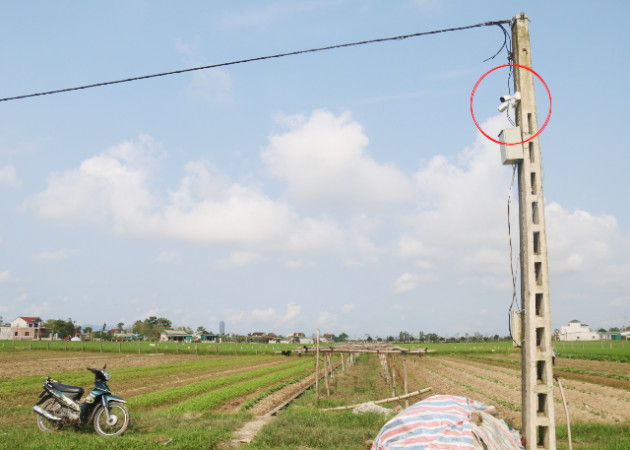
[(346, 190)]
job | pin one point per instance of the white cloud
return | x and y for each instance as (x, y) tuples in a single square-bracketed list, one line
[(240, 259), (112, 190), (58, 255), (347, 308), (461, 211), (262, 315), (167, 256), (405, 283), (8, 176), (323, 161), (106, 189), (4, 276), (326, 319), (579, 241), (270, 314), (293, 312), (297, 264), (235, 316)]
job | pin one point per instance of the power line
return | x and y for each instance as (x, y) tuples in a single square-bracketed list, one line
[(260, 58)]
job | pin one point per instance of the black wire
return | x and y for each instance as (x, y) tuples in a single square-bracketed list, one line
[(260, 58), (510, 60), (505, 38)]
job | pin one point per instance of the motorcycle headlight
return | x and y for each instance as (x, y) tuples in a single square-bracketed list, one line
[(105, 375)]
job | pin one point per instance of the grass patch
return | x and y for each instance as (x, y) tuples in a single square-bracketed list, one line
[(311, 428), (147, 430), (595, 436)]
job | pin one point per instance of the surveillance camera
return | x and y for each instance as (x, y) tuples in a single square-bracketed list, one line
[(508, 100), (503, 106)]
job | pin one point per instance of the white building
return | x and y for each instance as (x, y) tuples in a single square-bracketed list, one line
[(25, 329), (577, 331)]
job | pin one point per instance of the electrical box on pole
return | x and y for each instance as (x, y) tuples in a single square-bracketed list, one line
[(511, 154), (536, 351)]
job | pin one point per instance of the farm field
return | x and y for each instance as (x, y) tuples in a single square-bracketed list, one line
[(188, 400)]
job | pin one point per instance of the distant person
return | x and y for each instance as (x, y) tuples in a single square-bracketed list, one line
[(553, 357)]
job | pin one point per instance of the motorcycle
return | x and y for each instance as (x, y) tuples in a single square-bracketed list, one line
[(60, 404)]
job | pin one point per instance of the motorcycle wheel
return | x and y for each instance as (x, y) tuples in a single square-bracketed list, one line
[(117, 423), (47, 425)]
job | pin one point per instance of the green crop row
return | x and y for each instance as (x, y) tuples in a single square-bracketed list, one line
[(252, 401), (219, 396), (224, 348), (170, 395), (83, 377)]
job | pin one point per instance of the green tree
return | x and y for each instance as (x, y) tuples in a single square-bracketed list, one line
[(120, 326), (202, 330), (343, 337), (62, 328)]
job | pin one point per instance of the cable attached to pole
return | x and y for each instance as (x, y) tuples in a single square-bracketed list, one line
[(260, 58)]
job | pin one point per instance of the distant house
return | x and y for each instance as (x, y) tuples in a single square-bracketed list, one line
[(577, 331), (175, 336), (206, 337), (124, 336), (26, 329), (295, 337)]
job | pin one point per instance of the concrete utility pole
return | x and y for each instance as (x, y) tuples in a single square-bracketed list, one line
[(537, 374)]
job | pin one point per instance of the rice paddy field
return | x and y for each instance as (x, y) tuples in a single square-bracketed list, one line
[(210, 396)]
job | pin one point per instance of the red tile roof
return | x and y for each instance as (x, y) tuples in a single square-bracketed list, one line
[(30, 319)]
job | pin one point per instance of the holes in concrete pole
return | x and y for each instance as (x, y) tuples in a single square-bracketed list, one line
[(538, 273), (539, 304), (540, 372), (540, 335), (542, 436), (536, 242), (529, 123), (535, 213), (531, 151), (532, 180)]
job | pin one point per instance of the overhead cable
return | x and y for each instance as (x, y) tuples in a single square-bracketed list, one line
[(260, 58)]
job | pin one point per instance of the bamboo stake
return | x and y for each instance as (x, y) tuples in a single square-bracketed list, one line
[(566, 411), (378, 402), (393, 369), (406, 385), (317, 369), (332, 367), (326, 378)]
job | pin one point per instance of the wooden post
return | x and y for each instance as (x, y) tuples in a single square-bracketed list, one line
[(405, 371), (330, 364), (390, 358), (343, 362), (138, 347), (317, 368), (326, 377)]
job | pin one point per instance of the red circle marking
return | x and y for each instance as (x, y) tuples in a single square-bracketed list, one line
[(472, 95)]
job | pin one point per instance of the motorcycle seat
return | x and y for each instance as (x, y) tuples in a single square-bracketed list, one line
[(68, 388)]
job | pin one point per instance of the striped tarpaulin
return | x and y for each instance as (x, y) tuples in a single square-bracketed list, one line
[(446, 422)]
